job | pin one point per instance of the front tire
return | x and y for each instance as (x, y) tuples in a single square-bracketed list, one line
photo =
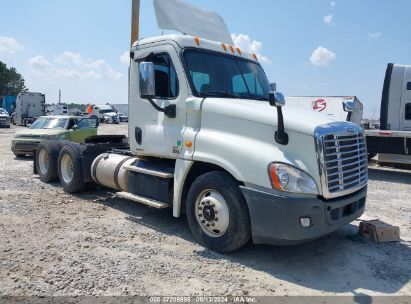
[(70, 168), (217, 212), (47, 156)]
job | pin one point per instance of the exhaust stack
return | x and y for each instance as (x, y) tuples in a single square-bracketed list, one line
[(135, 21)]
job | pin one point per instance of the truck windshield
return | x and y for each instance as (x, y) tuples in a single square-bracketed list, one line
[(49, 123), (218, 75)]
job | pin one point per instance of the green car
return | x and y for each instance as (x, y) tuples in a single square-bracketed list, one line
[(71, 128)]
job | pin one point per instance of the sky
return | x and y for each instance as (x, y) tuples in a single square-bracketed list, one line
[(309, 48)]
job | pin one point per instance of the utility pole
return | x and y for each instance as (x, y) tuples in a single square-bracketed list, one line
[(135, 21), (59, 96)]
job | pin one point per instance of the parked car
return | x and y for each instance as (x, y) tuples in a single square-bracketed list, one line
[(71, 128), (111, 118), (4, 118), (122, 117)]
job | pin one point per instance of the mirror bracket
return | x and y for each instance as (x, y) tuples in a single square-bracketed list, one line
[(277, 100)]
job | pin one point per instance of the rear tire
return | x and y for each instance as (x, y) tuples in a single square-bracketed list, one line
[(70, 168), (47, 156), (217, 212)]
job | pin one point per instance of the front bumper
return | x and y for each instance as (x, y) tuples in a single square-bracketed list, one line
[(4, 123), (24, 146), (275, 218)]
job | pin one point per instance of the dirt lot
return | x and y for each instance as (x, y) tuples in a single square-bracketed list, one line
[(52, 243)]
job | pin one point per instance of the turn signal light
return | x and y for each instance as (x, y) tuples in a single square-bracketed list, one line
[(188, 144)]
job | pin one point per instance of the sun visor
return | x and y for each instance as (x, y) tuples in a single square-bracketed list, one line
[(185, 18)]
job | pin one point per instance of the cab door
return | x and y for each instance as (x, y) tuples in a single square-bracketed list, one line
[(151, 131), (84, 128), (405, 122)]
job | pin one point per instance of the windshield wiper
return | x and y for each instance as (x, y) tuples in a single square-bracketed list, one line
[(221, 94)]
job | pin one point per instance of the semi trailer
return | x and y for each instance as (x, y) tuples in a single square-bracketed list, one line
[(29, 107), (210, 140), (392, 143)]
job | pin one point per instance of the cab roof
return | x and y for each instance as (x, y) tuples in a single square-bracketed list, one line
[(188, 41)]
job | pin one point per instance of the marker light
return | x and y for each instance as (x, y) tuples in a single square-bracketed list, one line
[(197, 40), (224, 47), (255, 56), (238, 51), (188, 144), (232, 49)]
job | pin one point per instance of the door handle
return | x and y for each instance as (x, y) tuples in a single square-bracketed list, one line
[(138, 134)]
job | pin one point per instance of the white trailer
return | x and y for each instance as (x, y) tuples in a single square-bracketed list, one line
[(29, 106), (393, 142), (342, 108), (210, 140)]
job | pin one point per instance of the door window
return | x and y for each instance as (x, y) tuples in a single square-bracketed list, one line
[(409, 86), (165, 76), (87, 123), (408, 111)]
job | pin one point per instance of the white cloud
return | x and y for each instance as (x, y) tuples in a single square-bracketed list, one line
[(322, 57), (245, 43), (374, 35), (73, 65), (125, 58), (39, 62), (332, 4), (328, 19), (9, 45)]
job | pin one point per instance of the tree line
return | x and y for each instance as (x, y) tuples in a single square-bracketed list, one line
[(11, 82)]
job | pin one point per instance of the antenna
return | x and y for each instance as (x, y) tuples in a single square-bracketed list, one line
[(135, 21), (59, 96)]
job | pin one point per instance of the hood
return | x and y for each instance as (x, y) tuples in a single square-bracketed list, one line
[(298, 120), (40, 132)]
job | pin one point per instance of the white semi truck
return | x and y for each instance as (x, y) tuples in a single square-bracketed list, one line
[(208, 139), (29, 107), (343, 108), (393, 142), (105, 113)]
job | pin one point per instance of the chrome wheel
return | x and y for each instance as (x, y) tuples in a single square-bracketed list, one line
[(212, 213), (43, 161), (67, 168)]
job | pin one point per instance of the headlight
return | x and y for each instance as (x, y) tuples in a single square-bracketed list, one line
[(290, 179)]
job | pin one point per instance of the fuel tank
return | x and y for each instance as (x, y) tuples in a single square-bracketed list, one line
[(109, 170)]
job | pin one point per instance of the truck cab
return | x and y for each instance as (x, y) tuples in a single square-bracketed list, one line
[(210, 111)]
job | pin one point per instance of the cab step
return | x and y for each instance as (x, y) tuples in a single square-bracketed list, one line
[(142, 200)]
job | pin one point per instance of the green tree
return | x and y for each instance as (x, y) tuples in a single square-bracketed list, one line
[(11, 82)]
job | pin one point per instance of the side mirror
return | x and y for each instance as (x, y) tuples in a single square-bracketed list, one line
[(29, 126), (276, 99), (147, 80), (349, 106), (74, 128)]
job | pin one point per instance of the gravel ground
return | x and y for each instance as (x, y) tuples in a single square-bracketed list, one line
[(52, 243)]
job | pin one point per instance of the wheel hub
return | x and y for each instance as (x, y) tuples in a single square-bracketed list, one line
[(212, 213)]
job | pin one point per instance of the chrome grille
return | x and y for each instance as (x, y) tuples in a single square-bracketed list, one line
[(343, 159)]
